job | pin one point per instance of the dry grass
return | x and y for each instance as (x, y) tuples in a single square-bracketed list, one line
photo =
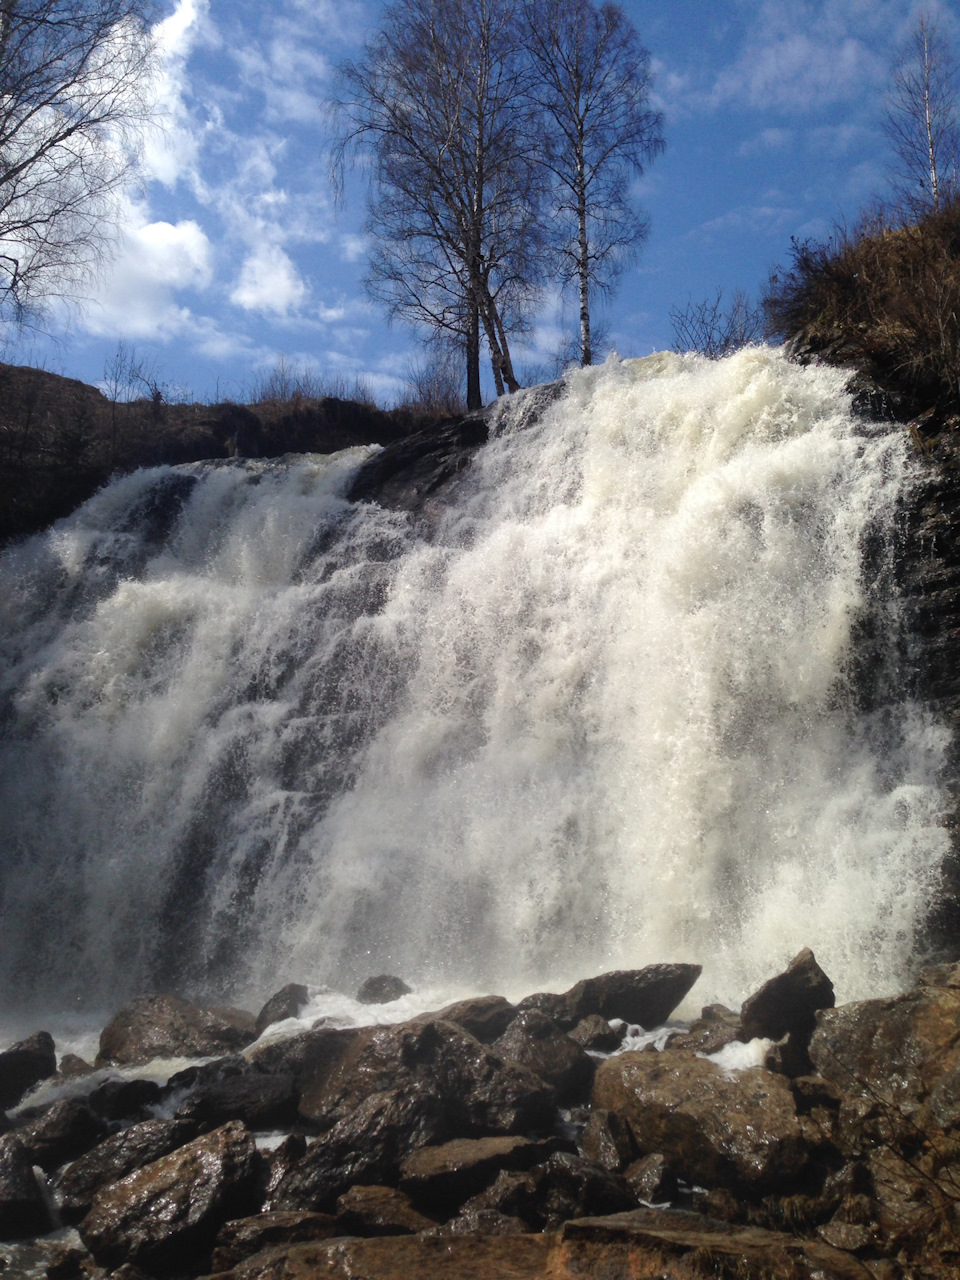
[(884, 298)]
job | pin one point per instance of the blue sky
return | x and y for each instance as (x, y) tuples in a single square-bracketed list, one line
[(234, 251)]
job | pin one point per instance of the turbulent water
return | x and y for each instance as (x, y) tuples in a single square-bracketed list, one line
[(602, 712)]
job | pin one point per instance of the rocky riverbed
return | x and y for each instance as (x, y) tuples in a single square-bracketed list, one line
[(487, 1139)]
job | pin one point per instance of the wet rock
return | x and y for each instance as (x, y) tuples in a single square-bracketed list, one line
[(606, 1141), (383, 989), (440, 1178), (898, 1056), (25, 1064), (715, 1129), (570, 1187), (71, 1065), (321, 1060), (485, 1018), (244, 1237), (642, 996), (273, 1166), (716, 1027), (286, 1003), (114, 1158), (594, 1032), (651, 1179), (61, 1132), (478, 1092), (120, 1099), (167, 1214), (23, 1210), (536, 1042), (752, 1250), (367, 1146), (167, 1027), (787, 1005), (379, 1211), (645, 996), (260, 1101)]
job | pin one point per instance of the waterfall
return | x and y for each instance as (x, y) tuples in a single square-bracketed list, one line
[(602, 711)]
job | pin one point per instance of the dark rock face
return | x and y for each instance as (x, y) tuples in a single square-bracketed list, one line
[(479, 1094), (740, 1131), (439, 1179), (606, 1141), (168, 1027), (286, 1003), (383, 989), (260, 1101), (119, 1099), (594, 1032), (25, 1064), (787, 1005), (23, 1211), (61, 1132), (167, 1214), (536, 1042), (114, 1158)]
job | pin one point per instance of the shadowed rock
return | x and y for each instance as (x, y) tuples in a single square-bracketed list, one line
[(25, 1064), (286, 1003)]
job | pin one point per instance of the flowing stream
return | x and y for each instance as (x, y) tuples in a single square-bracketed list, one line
[(604, 711)]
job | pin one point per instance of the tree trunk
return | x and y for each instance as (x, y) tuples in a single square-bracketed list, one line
[(474, 398)]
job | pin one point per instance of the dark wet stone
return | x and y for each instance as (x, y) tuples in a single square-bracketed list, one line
[(167, 1027), (61, 1132), (286, 1003), (166, 1215), (120, 1099), (594, 1032), (245, 1237), (25, 1064), (383, 989), (379, 1211), (537, 1043), (23, 1210), (114, 1158)]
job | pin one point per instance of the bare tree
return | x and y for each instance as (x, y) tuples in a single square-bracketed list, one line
[(439, 102), (75, 81), (713, 330), (921, 121), (593, 85)]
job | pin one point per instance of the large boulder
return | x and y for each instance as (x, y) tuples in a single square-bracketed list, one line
[(536, 1042), (163, 1026), (114, 1158), (366, 1146), (638, 996), (379, 1211), (902, 1054), (166, 1215), (23, 1209), (479, 1093), (715, 1128), (25, 1064), (787, 1005)]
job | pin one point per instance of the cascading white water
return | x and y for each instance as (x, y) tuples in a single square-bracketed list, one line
[(602, 716)]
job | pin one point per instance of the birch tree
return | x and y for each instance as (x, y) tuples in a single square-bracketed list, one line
[(921, 120), (439, 103), (75, 80), (593, 85)]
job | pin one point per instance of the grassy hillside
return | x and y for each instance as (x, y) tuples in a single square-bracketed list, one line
[(60, 439), (884, 298)]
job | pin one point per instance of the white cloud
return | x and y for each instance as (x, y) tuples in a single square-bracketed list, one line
[(269, 282), (136, 297)]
